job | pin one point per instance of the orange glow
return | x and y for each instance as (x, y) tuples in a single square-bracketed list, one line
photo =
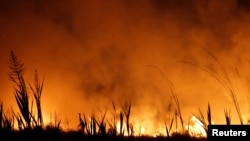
[(92, 53), (196, 128)]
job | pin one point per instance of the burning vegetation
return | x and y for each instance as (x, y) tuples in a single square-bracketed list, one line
[(144, 68), (27, 124), (116, 124)]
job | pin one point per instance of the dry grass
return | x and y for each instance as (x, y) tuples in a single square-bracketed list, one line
[(25, 119), (202, 119), (93, 127), (227, 114), (222, 77), (37, 93), (16, 75), (173, 92)]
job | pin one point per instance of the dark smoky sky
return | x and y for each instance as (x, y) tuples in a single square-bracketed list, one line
[(92, 52)]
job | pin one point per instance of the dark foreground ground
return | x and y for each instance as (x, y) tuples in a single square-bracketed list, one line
[(57, 135)]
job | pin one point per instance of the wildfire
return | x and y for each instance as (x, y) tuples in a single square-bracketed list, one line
[(138, 130), (196, 127)]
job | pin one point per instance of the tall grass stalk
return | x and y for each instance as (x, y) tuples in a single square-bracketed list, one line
[(90, 128), (121, 124), (246, 91), (169, 128), (113, 128), (229, 86), (102, 125), (227, 114), (37, 92), (113, 123), (82, 123), (93, 125), (201, 118), (126, 110), (223, 79), (209, 114), (21, 94), (174, 95), (20, 122), (8, 121)]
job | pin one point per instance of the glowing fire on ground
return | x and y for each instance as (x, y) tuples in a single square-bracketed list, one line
[(196, 127), (139, 130)]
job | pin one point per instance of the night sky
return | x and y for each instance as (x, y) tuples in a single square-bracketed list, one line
[(93, 52)]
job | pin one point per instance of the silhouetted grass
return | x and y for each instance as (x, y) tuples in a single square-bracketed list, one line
[(37, 93), (21, 93), (227, 116), (51, 134), (171, 86), (92, 128), (169, 128), (223, 78)]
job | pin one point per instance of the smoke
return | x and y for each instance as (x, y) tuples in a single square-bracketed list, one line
[(95, 52)]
